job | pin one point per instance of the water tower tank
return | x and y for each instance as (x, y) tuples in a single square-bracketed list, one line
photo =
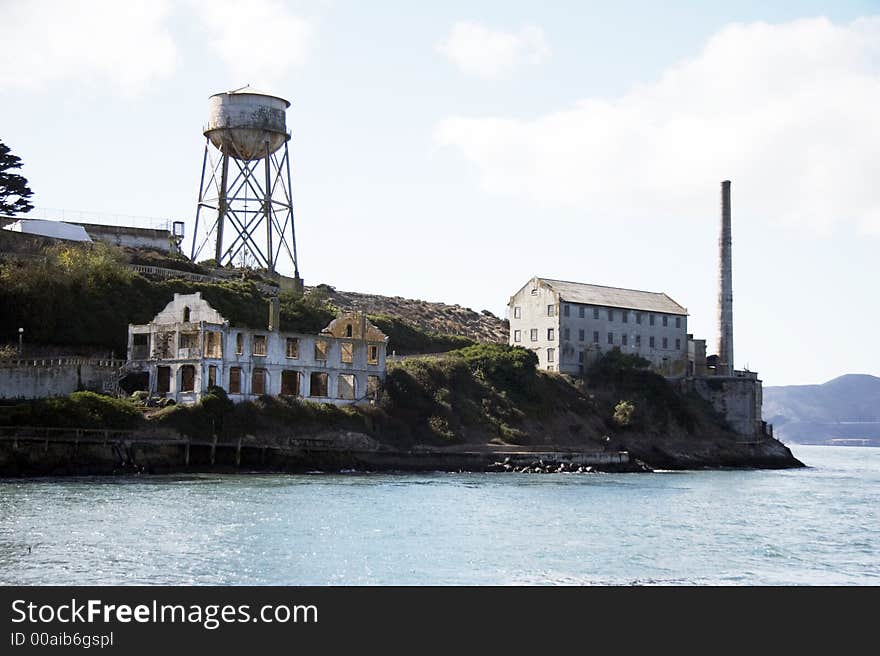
[(243, 121)]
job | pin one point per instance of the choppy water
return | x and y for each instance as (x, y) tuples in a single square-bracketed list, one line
[(813, 526)]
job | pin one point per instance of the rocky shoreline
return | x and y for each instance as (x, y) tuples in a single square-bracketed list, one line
[(351, 452)]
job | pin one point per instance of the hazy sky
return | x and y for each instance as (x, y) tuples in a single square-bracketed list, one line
[(452, 152)]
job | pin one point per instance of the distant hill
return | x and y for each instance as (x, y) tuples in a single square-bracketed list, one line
[(845, 410)]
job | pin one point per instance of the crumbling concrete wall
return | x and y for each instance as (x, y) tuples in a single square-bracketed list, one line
[(41, 378)]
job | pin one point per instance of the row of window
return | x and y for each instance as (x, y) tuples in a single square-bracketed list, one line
[(624, 338), (346, 384), (611, 314), (322, 346)]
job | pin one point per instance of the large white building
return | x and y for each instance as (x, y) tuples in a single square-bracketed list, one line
[(189, 346), (570, 324)]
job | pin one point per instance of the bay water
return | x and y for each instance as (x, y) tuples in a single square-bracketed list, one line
[(812, 526)]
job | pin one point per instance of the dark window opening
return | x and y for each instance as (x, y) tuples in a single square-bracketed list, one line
[(318, 384), (290, 383), (258, 381), (163, 380), (187, 378), (235, 380)]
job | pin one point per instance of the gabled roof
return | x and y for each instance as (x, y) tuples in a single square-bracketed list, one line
[(632, 299)]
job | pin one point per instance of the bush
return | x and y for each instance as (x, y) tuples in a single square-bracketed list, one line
[(78, 410), (407, 339), (511, 368), (623, 413)]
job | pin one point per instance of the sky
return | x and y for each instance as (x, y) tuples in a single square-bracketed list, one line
[(451, 152)]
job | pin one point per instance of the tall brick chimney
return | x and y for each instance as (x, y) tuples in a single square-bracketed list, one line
[(725, 288)]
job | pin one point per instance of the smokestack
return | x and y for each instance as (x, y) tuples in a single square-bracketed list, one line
[(725, 288)]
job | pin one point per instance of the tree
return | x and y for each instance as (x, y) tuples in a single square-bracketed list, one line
[(14, 190)]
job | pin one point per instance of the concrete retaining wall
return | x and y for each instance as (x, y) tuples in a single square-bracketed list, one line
[(44, 377)]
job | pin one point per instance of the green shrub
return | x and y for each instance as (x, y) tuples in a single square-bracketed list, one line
[(623, 413), (406, 339), (78, 410)]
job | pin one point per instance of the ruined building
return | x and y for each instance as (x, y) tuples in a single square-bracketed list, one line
[(189, 347)]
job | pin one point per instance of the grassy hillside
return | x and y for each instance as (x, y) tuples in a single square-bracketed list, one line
[(84, 297)]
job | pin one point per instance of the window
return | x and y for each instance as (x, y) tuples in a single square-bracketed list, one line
[(581, 369), (678, 322), (651, 342), (292, 347), (610, 314), (581, 336), (213, 345), (551, 334), (665, 321), (188, 340), (665, 343), (566, 309), (186, 314), (638, 318), (623, 339), (212, 375), (258, 381), (517, 335), (372, 354), (347, 352), (638, 340), (551, 309), (551, 353), (517, 312), (346, 387), (567, 334), (239, 343), (318, 384), (374, 385), (289, 383), (651, 319), (581, 311), (533, 334), (625, 316), (235, 380), (677, 344), (187, 378), (259, 345), (348, 330), (595, 337), (321, 349), (163, 380), (140, 346), (595, 313), (610, 338), (581, 357)]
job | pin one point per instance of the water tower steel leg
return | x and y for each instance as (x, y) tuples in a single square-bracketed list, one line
[(201, 200), (268, 212), (221, 211), (290, 209)]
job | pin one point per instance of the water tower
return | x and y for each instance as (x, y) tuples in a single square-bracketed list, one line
[(245, 210)]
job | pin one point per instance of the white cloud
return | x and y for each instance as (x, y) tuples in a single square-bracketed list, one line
[(477, 50), (788, 112), (124, 44), (260, 41)]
